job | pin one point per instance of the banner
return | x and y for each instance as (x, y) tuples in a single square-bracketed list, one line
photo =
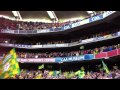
[(45, 60), (51, 29), (107, 36), (29, 31), (21, 60), (21, 45), (62, 45), (57, 29), (88, 40), (39, 60), (36, 46), (74, 43), (33, 32), (85, 21), (118, 51), (118, 33), (16, 32), (89, 56), (67, 59), (7, 31), (112, 53), (67, 27), (58, 59), (101, 55), (99, 38), (43, 30), (76, 24), (49, 45), (22, 31), (95, 18), (107, 13)]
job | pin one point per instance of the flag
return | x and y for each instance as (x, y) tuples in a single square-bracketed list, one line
[(105, 67), (82, 68), (76, 73), (39, 76), (41, 66), (9, 66), (71, 74), (66, 74), (60, 72), (80, 73), (54, 73)]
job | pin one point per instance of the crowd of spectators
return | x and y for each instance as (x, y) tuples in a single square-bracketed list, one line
[(22, 25), (53, 54), (61, 74), (66, 54), (38, 42)]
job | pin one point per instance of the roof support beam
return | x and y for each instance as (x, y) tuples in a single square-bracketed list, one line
[(52, 15), (17, 14)]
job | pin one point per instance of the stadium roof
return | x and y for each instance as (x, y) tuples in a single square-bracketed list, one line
[(45, 17)]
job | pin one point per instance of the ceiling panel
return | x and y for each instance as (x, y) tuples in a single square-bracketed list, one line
[(70, 14), (7, 13), (40, 15), (34, 15)]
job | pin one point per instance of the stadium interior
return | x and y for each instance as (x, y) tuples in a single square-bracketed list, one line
[(61, 44)]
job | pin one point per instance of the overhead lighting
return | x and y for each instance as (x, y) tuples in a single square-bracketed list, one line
[(19, 15)]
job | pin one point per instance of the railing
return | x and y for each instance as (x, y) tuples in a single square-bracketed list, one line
[(86, 41), (101, 55)]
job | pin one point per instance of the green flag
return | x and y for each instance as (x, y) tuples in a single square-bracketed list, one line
[(54, 73), (41, 66), (9, 66), (105, 67), (80, 73), (66, 74), (71, 74), (60, 71), (76, 73), (82, 68)]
